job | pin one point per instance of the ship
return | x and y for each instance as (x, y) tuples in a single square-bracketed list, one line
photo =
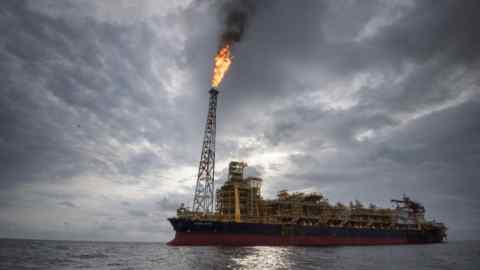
[(243, 218), (237, 215)]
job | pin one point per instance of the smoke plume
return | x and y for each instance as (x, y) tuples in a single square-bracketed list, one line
[(236, 14)]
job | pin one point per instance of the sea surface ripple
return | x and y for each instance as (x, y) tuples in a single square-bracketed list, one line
[(38, 254)]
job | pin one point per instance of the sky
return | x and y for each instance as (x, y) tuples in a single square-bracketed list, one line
[(103, 105)]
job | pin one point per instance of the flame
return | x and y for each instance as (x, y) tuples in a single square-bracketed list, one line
[(222, 62)]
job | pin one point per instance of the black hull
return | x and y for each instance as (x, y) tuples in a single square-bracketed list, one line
[(190, 232)]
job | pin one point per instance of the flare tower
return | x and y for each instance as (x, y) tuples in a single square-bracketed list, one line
[(203, 200)]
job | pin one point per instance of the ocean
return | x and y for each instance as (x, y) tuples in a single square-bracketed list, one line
[(38, 254)]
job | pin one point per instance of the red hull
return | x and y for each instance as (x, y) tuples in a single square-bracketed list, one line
[(209, 239)]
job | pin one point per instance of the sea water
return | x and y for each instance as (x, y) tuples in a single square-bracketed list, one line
[(37, 254)]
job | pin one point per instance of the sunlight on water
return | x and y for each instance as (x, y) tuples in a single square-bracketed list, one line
[(263, 258)]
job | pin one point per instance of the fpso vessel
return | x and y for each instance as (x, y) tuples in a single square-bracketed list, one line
[(243, 218)]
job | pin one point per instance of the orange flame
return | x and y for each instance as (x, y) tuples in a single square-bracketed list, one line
[(222, 62)]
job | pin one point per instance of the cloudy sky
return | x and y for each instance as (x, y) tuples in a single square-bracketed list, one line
[(103, 103)]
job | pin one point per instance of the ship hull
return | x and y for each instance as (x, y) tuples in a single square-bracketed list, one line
[(196, 233)]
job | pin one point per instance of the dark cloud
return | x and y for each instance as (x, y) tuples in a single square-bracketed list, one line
[(358, 100), (69, 89), (435, 29), (68, 204)]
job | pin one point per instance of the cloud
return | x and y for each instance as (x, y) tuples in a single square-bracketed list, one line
[(68, 204), (70, 108), (137, 213), (167, 205), (111, 11)]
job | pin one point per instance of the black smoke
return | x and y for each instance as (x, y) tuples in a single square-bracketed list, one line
[(235, 15)]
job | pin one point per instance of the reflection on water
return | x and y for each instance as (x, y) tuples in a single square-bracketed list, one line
[(258, 257), (35, 254), (280, 257), (239, 257), (262, 258), (363, 257)]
